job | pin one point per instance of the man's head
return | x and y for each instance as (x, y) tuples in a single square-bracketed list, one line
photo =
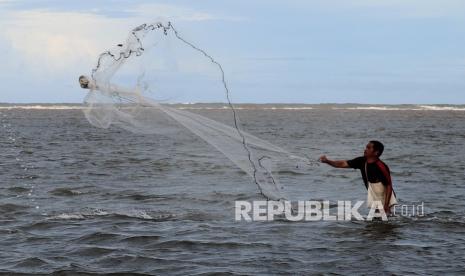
[(374, 149)]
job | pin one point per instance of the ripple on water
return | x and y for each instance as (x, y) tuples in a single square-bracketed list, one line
[(65, 192)]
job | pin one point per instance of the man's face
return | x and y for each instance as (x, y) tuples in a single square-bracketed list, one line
[(369, 151)]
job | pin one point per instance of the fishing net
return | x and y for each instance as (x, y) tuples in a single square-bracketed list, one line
[(134, 83)]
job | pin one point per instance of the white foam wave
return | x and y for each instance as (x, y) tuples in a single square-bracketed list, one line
[(289, 108), (371, 108), (42, 107), (440, 108), (416, 107), (91, 213), (256, 107), (68, 216), (248, 108)]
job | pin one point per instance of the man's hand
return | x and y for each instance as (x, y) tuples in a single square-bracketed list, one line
[(334, 163), (323, 159)]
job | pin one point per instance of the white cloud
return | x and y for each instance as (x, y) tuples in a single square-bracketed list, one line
[(177, 13), (51, 42)]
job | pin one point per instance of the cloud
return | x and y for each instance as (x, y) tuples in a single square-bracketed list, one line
[(57, 42), (50, 42), (178, 13)]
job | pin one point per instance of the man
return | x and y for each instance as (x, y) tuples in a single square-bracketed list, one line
[(375, 174)]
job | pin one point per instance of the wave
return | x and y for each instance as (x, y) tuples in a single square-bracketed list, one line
[(397, 108), (216, 106), (79, 107), (258, 107), (65, 192), (42, 107), (11, 208), (436, 107), (131, 214), (371, 108)]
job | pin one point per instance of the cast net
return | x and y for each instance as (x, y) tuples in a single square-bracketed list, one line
[(134, 83)]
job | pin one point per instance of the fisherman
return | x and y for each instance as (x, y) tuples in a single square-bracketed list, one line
[(375, 173)]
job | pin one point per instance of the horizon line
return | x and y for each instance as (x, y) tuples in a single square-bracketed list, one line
[(242, 103)]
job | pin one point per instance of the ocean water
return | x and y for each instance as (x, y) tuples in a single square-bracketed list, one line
[(75, 199)]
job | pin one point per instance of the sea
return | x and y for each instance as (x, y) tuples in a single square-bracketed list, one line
[(81, 200)]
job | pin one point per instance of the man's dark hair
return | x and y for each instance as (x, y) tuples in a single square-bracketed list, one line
[(378, 146)]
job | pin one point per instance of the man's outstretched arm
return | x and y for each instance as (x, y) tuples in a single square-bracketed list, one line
[(334, 163)]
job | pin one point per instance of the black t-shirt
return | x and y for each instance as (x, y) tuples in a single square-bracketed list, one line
[(374, 172)]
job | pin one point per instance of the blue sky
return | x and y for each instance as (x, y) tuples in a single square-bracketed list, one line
[(363, 51)]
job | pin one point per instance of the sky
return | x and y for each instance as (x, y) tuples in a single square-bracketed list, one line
[(328, 51)]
